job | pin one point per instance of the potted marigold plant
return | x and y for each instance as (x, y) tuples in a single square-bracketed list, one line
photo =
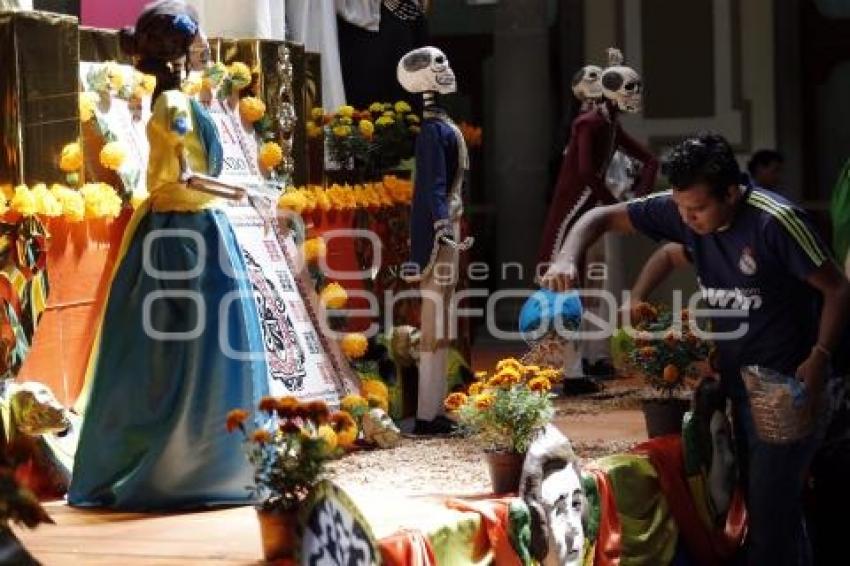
[(665, 353), (289, 449), (503, 412)]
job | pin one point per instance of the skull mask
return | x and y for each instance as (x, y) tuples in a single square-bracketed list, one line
[(586, 85), (623, 86), (379, 428), (564, 505), (426, 70)]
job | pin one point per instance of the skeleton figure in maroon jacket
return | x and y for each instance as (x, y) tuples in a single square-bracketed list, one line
[(596, 135)]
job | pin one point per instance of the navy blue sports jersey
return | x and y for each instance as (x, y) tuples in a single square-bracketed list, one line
[(757, 267)]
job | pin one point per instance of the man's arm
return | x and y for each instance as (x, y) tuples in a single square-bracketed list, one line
[(563, 273), (833, 320), (660, 264)]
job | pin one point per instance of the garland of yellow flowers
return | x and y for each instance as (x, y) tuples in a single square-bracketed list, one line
[(390, 192), (92, 200)]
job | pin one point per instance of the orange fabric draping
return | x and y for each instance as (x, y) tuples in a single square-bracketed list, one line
[(409, 547), (79, 261), (609, 542), (706, 547), (496, 516)]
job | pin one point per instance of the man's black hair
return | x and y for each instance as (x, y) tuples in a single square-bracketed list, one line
[(704, 158), (762, 158)]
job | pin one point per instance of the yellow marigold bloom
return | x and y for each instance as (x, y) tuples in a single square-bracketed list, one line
[(481, 375), (214, 75), (323, 201), (317, 113), (46, 203), (477, 388), (313, 131), (271, 155), (455, 401), (346, 121), (333, 296), (342, 131), (101, 200), (484, 401), (261, 436), (374, 387), (384, 121), (402, 107), (352, 403), (412, 118), (508, 362), (346, 437), (112, 155), (540, 385), (354, 345), (314, 248), (378, 402), (71, 158), (345, 111), (509, 375), (292, 200), (240, 75), (376, 107), (252, 109), (328, 436), (24, 202), (4, 205), (191, 86), (286, 406), (367, 128), (147, 82), (88, 105), (343, 419), (72, 202), (235, 418)]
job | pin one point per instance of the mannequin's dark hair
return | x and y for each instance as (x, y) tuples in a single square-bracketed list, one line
[(163, 33)]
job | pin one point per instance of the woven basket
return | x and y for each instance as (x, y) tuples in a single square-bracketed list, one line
[(779, 405)]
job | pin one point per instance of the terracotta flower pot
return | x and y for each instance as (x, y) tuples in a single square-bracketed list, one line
[(278, 532), (505, 470), (664, 415)]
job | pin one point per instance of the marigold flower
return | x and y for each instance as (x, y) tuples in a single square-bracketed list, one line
[(236, 418), (328, 436), (88, 105), (71, 158), (376, 401), (290, 427), (240, 75), (333, 296), (318, 412), (484, 401), (508, 362), (112, 155), (671, 374), (353, 404), (251, 109), (345, 111), (374, 387), (476, 388), (367, 128), (286, 407), (540, 385), (261, 436), (268, 404), (402, 107), (347, 436), (354, 345), (384, 121), (45, 201), (271, 155), (313, 131), (317, 113), (455, 401), (376, 107), (314, 249), (24, 202), (342, 131)]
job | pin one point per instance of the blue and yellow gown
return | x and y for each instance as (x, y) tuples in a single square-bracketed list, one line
[(153, 435)]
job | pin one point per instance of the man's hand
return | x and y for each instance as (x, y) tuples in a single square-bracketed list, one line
[(812, 372), (561, 276)]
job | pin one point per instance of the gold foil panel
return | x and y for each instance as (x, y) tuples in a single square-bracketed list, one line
[(311, 94), (39, 57)]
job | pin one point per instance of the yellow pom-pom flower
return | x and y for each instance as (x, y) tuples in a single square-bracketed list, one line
[(192, 85), (112, 155), (24, 202), (292, 200), (71, 158), (328, 436), (377, 402), (333, 296), (540, 385), (115, 76), (376, 107), (46, 203), (317, 113), (271, 155), (252, 109), (454, 402), (313, 131), (146, 82), (367, 128), (484, 401), (214, 75), (402, 107), (477, 388), (354, 345), (374, 387), (345, 111), (314, 249), (101, 200), (347, 436), (240, 75), (73, 204), (88, 105), (353, 404), (342, 131), (384, 121)]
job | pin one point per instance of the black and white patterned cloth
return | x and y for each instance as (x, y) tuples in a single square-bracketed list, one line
[(407, 10)]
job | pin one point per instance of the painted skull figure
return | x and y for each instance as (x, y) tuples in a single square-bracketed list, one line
[(404, 345), (624, 87), (379, 428), (426, 70), (36, 409), (564, 504), (586, 83)]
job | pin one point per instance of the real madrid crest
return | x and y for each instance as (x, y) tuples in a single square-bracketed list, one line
[(747, 263)]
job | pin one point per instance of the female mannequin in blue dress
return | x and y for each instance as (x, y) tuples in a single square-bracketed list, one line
[(180, 343)]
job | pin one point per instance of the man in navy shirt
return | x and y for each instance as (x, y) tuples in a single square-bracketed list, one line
[(757, 258)]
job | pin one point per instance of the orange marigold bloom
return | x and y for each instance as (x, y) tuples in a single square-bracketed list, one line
[(318, 412), (374, 387), (484, 401), (290, 427), (268, 404), (286, 407), (476, 388), (342, 420), (261, 436), (540, 385), (236, 418), (376, 401), (455, 401)]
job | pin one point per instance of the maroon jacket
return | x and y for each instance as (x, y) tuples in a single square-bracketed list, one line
[(581, 181)]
